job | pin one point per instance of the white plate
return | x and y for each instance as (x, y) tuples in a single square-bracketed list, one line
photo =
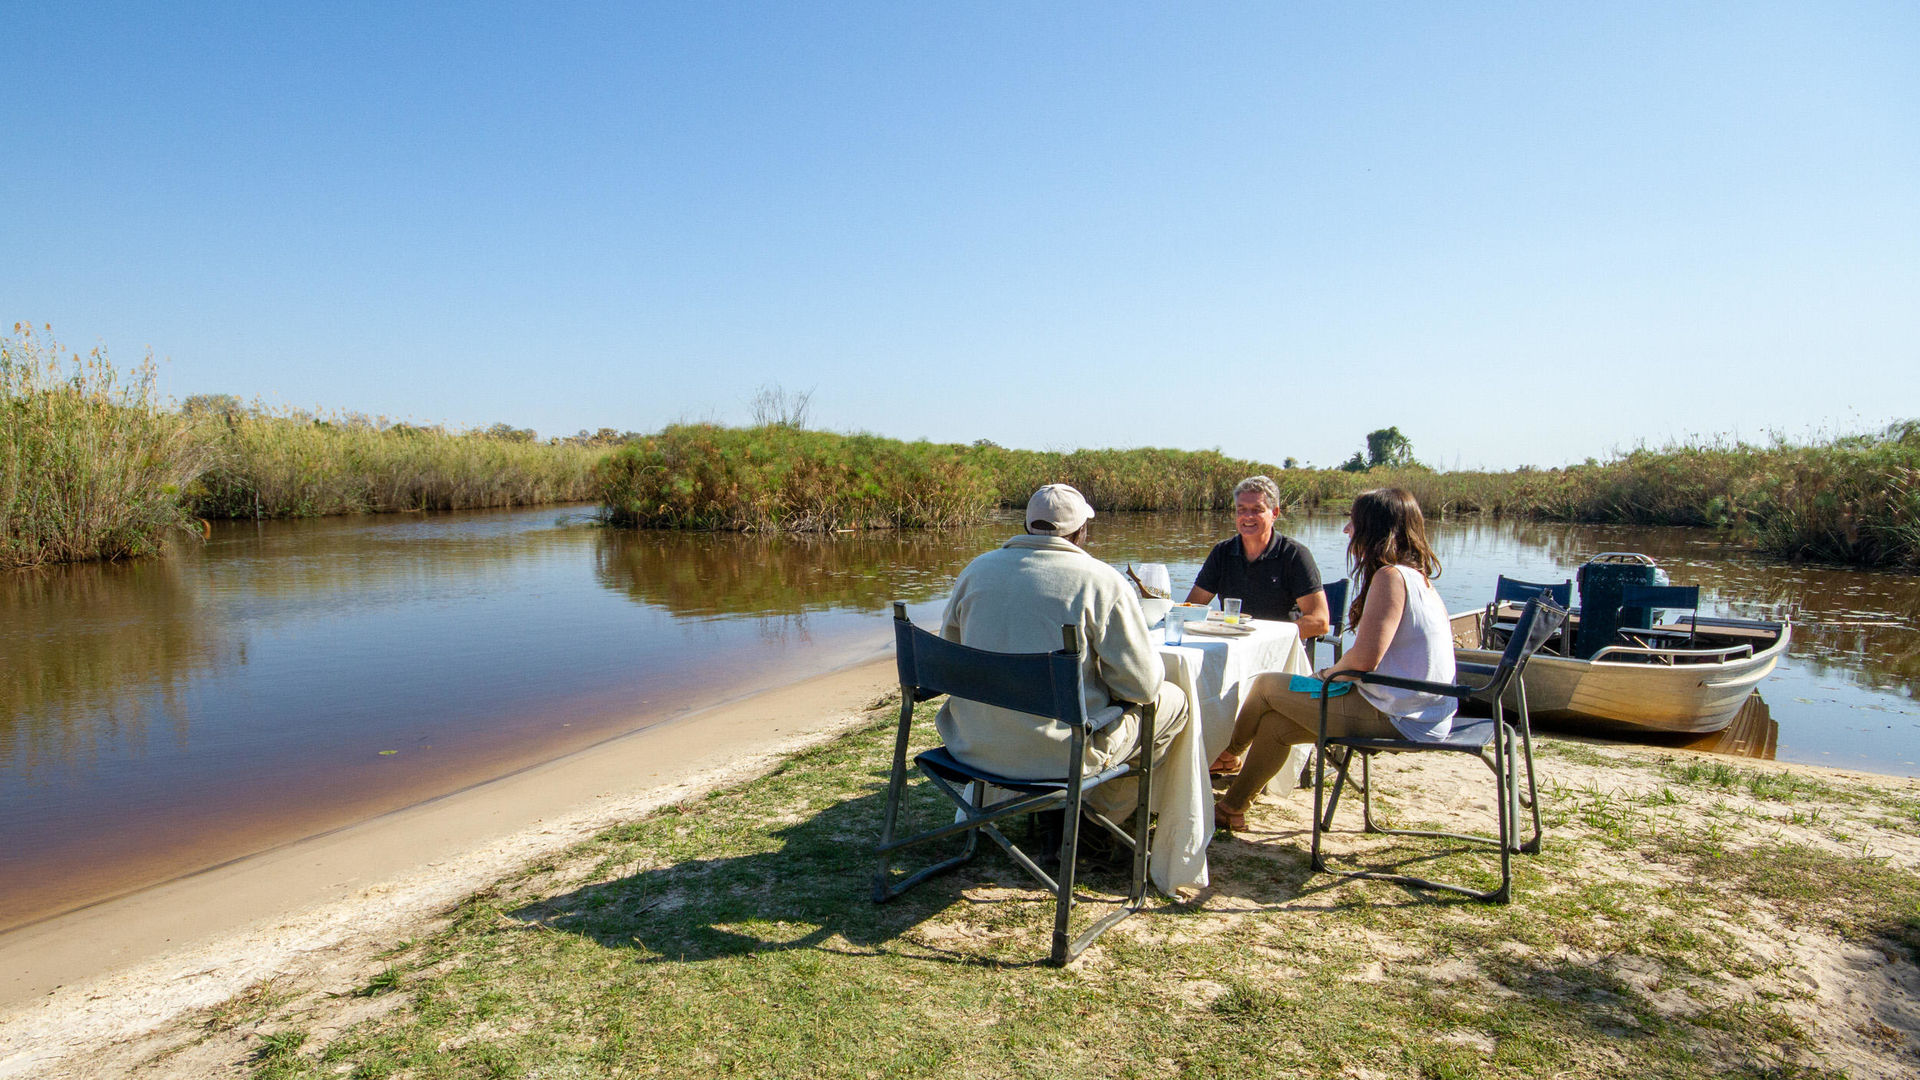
[(1218, 629)]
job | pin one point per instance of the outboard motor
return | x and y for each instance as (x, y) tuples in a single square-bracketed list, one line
[(1603, 580)]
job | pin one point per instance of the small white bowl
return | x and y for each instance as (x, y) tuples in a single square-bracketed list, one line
[(1155, 608)]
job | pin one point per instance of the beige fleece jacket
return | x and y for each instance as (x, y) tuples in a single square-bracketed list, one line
[(1015, 599)]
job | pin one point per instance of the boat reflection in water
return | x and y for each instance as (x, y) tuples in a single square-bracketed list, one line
[(1752, 733)]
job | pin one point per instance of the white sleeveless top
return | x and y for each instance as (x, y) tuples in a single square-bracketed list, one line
[(1422, 648)]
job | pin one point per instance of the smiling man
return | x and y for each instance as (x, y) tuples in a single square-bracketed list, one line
[(1273, 576)]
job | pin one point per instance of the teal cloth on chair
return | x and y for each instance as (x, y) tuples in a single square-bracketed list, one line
[(1307, 684)]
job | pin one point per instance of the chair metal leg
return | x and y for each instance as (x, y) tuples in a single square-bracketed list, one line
[(1069, 848), (896, 788), (1533, 846), (1143, 813)]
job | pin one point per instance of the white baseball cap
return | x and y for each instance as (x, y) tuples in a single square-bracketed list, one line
[(1058, 509)]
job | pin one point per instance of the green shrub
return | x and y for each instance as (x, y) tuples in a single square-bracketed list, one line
[(783, 478)]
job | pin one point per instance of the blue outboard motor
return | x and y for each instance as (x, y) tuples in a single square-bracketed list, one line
[(1603, 579)]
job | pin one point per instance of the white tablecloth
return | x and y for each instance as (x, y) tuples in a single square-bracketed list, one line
[(1209, 670), (1221, 667)]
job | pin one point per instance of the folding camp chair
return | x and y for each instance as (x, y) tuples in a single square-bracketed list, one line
[(1337, 617), (1538, 622), (1043, 684), (1508, 590)]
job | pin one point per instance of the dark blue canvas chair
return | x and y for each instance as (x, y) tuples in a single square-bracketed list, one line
[(1494, 739), (1337, 616), (1045, 685), (1508, 590)]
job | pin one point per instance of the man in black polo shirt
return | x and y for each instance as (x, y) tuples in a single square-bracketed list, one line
[(1273, 576)]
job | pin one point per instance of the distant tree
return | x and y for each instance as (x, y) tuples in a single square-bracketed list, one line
[(1356, 463), (224, 405), (1290, 463), (606, 436), (776, 407), (1387, 448), (506, 432)]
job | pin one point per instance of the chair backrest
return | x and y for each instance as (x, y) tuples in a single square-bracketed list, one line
[(1513, 589), (1337, 606), (1644, 598), (1043, 684), (1539, 620)]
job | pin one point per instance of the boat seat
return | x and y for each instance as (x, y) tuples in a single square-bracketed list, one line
[(1513, 593), (1637, 604)]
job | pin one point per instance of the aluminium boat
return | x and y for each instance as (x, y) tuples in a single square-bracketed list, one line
[(1677, 675)]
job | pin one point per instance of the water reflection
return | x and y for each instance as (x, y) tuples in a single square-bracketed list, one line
[(108, 672), (736, 576)]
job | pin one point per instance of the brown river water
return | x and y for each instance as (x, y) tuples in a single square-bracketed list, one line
[(162, 716)]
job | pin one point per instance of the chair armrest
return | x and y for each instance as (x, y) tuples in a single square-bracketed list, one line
[(1374, 678), (1467, 667)]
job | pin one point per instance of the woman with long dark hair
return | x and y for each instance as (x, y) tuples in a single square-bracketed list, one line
[(1400, 628)]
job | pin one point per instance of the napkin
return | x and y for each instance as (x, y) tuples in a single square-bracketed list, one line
[(1307, 684)]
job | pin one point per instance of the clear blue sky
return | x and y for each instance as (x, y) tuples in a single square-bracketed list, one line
[(1522, 233)]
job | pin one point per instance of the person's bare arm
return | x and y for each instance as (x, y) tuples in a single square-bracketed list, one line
[(1314, 618), (1386, 599), (1198, 595)]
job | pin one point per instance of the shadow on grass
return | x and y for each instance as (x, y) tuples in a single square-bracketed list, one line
[(810, 887), (807, 884)]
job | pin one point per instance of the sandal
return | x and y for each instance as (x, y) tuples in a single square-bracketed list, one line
[(1230, 820), (1226, 764)]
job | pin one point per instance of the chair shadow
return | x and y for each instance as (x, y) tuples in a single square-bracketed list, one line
[(811, 891), (1290, 878), (812, 887)]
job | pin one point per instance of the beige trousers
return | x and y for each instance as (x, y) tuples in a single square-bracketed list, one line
[(1273, 719), (1117, 798)]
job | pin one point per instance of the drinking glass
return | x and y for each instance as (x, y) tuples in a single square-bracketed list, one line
[(1230, 607), (1176, 628), (1155, 577)]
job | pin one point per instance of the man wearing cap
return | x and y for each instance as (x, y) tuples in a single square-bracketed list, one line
[(1273, 576), (1015, 599)]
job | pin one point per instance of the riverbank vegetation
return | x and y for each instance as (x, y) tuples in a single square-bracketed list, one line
[(1656, 935), (94, 466), (1854, 499), (91, 467), (267, 465)]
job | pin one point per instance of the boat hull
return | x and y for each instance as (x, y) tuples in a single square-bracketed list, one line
[(1683, 698)]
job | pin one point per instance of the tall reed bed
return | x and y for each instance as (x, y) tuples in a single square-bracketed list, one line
[(1853, 499), (90, 466), (293, 466), (781, 478)]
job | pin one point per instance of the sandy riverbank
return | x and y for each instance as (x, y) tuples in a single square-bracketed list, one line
[(74, 987)]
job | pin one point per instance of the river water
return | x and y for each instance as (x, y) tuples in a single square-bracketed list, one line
[(166, 715)]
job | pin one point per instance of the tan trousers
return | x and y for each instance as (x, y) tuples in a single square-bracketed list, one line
[(1273, 719), (1117, 798)]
